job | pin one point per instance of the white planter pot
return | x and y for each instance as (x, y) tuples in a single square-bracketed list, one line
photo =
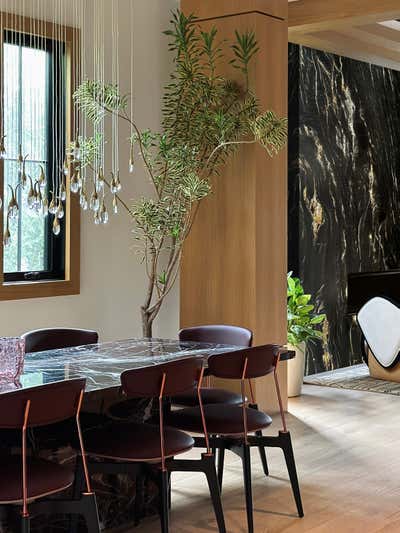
[(296, 368)]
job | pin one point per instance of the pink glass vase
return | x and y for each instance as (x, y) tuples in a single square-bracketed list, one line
[(12, 354)]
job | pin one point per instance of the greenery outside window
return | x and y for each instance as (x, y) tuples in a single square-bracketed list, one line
[(34, 93), (37, 80)]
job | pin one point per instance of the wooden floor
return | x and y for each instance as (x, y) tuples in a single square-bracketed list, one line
[(347, 446)]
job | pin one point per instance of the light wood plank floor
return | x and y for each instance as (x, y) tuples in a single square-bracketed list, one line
[(347, 447)]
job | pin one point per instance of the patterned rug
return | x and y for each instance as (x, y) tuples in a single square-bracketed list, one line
[(354, 377)]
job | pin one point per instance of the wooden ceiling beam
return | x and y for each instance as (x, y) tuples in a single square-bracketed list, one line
[(314, 15)]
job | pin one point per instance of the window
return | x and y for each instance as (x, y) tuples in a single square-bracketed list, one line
[(34, 94), (36, 87)]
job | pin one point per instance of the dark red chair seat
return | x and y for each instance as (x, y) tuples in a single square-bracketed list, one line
[(220, 419), (208, 396), (44, 478), (136, 442)]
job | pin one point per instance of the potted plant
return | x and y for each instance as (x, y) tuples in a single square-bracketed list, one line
[(206, 117), (303, 326)]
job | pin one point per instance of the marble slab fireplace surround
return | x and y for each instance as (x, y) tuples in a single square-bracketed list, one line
[(344, 186)]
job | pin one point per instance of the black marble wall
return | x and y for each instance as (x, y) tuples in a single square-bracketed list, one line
[(344, 186)]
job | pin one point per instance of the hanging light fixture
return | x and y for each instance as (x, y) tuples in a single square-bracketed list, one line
[(47, 195)]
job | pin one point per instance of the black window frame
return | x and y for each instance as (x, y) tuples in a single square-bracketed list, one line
[(57, 93)]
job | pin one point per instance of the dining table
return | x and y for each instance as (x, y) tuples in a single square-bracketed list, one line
[(101, 365)]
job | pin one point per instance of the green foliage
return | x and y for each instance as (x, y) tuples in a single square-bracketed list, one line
[(270, 131), (206, 117), (95, 99), (244, 50), (302, 321), (89, 148)]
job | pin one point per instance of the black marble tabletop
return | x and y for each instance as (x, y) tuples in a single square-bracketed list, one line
[(102, 364)]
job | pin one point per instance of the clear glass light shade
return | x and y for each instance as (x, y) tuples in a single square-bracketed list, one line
[(56, 226)]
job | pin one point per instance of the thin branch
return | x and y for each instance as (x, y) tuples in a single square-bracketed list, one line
[(223, 145)]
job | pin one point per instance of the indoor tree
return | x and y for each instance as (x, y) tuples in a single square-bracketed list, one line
[(206, 117)]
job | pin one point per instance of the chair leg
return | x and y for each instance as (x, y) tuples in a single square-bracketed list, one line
[(79, 484), (139, 498), (246, 460), (90, 513), (263, 455), (169, 491), (164, 497), (212, 479), (291, 466), (221, 461), (25, 524)]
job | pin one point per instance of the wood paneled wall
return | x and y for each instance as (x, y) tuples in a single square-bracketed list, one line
[(235, 261)]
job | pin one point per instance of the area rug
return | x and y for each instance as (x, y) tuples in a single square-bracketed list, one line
[(354, 377)]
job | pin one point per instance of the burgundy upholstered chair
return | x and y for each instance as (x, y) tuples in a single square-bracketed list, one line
[(157, 444), (217, 334), (237, 426), (41, 340), (26, 481)]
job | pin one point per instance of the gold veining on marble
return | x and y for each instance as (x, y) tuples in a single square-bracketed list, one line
[(316, 210)]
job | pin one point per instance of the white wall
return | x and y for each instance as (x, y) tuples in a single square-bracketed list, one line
[(112, 279)]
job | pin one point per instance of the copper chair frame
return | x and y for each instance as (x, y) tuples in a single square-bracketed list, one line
[(242, 448), (206, 465), (85, 505)]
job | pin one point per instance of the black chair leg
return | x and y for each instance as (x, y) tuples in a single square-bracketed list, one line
[(25, 524), (169, 491), (263, 455), (164, 498), (213, 485), (79, 484), (139, 498), (221, 461), (90, 513), (291, 466), (246, 460)]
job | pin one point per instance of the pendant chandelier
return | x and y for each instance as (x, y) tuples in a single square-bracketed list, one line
[(82, 168)]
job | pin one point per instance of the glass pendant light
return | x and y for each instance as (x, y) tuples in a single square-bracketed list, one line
[(7, 234), (63, 192), (94, 201), (83, 201), (56, 226), (2, 148), (42, 178), (60, 210), (53, 205)]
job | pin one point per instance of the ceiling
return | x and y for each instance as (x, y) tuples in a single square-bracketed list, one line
[(369, 34)]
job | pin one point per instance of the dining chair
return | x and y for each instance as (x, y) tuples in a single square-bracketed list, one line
[(234, 427), (155, 446), (214, 334), (40, 340), (26, 480), (219, 334)]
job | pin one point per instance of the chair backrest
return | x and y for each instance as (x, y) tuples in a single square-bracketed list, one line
[(180, 376), (41, 340), (379, 321), (218, 334), (49, 404), (261, 360)]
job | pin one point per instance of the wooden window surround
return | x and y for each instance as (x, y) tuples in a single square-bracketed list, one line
[(71, 284)]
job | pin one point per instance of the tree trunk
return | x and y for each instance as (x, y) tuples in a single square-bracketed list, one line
[(147, 323)]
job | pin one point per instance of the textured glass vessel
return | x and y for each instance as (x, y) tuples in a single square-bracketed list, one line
[(12, 353)]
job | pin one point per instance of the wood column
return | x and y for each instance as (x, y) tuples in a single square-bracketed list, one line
[(235, 261)]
